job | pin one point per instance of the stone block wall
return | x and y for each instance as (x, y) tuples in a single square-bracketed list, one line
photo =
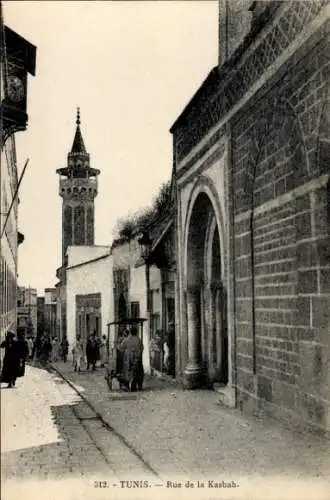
[(281, 165)]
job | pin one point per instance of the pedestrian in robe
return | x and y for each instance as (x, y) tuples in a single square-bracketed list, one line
[(30, 346), (103, 351), (46, 349), (23, 352), (92, 350), (78, 353), (55, 350), (11, 360), (36, 351), (166, 352), (132, 369), (170, 340), (120, 359)]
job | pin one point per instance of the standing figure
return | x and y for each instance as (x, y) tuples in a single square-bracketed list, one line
[(78, 353), (103, 351), (11, 360), (30, 346), (55, 350), (132, 368), (171, 348), (46, 349), (37, 345), (166, 352), (92, 350)]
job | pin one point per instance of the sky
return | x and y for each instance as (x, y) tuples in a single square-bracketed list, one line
[(131, 67)]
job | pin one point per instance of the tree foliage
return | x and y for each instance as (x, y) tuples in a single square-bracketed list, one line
[(128, 225)]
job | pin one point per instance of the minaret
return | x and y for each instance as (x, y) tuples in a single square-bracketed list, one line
[(78, 188)]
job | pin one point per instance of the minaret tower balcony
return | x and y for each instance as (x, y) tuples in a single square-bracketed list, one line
[(82, 187), (78, 187)]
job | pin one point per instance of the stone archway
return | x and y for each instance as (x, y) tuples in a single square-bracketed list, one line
[(206, 297)]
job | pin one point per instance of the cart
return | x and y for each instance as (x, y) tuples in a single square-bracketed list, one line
[(115, 329)]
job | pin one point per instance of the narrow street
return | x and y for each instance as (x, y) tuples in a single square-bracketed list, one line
[(65, 432)]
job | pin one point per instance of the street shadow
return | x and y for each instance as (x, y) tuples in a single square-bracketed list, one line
[(58, 444), (72, 454)]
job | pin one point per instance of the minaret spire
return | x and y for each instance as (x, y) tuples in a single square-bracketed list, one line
[(78, 145), (78, 116)]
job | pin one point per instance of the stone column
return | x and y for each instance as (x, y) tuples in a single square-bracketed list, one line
[(193, 371)]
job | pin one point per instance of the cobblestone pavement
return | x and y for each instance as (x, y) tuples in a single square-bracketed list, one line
[(56, 444), (188, 434), (49, 433)]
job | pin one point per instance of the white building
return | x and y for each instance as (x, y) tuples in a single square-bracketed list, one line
[(89, 291)]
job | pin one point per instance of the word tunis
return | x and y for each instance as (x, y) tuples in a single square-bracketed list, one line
[(202, 484)]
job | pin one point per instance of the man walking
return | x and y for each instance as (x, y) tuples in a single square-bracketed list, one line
[(92, 350)]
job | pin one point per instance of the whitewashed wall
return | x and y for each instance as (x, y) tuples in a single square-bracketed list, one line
[(93, 277), (78, 254)]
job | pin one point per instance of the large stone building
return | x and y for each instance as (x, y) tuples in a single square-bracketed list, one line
[(18, 58), (251, 169), (78, 189)]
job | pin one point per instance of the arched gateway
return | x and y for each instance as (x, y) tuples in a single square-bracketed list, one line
[(205, 290)]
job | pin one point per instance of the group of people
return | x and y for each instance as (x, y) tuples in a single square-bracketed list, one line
[(93, 351), (46, 349), (15, 357), (129, 367)]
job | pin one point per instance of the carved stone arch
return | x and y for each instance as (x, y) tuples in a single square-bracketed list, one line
[(204, 184), (209, 236)]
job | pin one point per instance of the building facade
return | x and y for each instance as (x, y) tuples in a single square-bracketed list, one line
[(161, 267), (130, 289), (17, 60), (251, 155), (78, 189), (27, 310), (40, 315), (89, 291), (49, 315)]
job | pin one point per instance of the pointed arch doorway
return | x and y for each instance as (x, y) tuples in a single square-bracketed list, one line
[(205, 297)]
